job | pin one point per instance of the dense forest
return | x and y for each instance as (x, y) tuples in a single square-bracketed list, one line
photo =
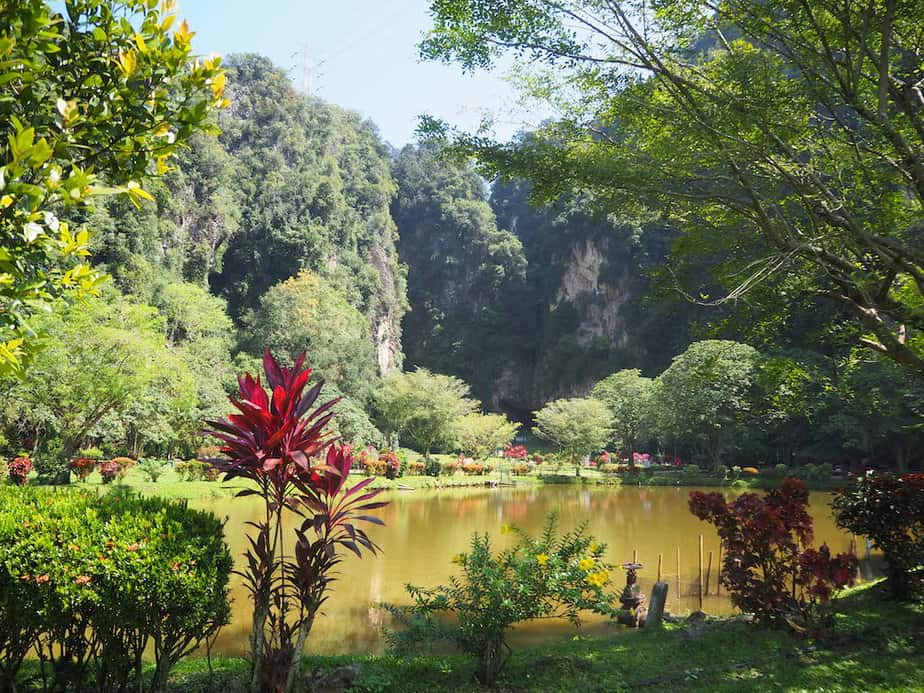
[(298, 229)]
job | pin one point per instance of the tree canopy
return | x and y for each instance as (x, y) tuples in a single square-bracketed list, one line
[(97, 95), (785, 138)]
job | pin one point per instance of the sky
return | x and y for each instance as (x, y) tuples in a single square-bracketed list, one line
[(361, 55)]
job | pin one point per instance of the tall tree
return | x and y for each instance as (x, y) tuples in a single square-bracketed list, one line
[(422, 406), (786, 137), (628, 396), (706, 395), (578, 426)]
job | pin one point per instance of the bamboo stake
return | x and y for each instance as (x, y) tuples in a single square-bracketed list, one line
[(718, 572), (708, 572), (659, 566), (678, 574), (700, 572), (635, 555)]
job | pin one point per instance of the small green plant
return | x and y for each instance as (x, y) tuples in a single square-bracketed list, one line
[(549, 576), (433, 467), (151, 468), (691, 469)]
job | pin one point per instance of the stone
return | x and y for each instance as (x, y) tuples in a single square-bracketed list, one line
[(338, 680), (656, 605)]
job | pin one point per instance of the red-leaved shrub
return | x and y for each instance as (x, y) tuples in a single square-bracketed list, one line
[(766, 568), (19, 470), (110, 470), (83, 467)]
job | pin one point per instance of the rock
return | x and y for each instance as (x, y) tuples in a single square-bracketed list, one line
[(656, 605), (337, 680)]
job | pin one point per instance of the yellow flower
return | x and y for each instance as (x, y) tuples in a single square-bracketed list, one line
[(597, 579), (506, 528), (593, 547), (542, 559), (586, 563), (459, 558)]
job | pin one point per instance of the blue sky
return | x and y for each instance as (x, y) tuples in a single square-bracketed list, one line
[(362, 55)]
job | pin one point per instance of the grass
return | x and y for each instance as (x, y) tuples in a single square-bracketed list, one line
[(876, 645), (170, 485)]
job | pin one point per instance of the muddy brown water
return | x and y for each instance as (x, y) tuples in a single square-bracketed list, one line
[(425, 529)]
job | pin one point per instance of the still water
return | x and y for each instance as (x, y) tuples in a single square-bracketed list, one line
[(425, 529)]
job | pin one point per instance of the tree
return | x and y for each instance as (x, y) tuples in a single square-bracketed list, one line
[(103, 361), (579, 427), (784, 137), (481, 434), (704, 398), (628, 396), (305, 314), (423, 406), (97, 93)]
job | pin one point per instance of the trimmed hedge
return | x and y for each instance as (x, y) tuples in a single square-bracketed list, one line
[(87, 582)]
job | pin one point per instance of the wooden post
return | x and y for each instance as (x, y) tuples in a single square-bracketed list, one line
[(718, 572), (635, 555), (659, 567), (708, 572), (678, 575), (700, 572)]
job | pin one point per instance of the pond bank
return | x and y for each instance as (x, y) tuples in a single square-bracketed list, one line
[(877, 645)]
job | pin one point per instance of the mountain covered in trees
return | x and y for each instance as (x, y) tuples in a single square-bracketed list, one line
[(298, 229)]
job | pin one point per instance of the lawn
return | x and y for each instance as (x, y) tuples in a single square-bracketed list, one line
[(876, 645)]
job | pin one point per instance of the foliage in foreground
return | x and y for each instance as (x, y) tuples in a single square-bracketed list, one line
[(96, 93), (550, 576), (281, 444), (889, 510), (769, 566), (88, 582)]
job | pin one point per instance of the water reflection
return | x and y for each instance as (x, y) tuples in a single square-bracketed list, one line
[(424, 529)]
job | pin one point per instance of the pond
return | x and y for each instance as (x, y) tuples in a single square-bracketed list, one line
[(425, 529)]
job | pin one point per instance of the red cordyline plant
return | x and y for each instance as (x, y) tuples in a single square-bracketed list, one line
[(768, 567), (280, 443)]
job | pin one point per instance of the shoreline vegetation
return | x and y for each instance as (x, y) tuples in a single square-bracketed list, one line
[(876, 645), (170, 485)]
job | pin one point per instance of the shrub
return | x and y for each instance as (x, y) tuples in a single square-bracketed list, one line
[(83, 467), (516, 452), (416, 468), (889, 510), (549, 576), (434, 467), (520, 469), (19, 470), (125, 464), (766, 568), (781, 470), (89, 582), (449, 468), (94, 454), (151, 468), (691, 469), (275, 441), (196, 470), (391, 462), (109, 471), (610, 468), (4, 470), (753, 471)]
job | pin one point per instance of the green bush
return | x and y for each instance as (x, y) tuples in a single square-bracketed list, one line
[(88, 582), (151, 468), (550, 576), (691, 469), (196, 470), (433, 467), (781, 471)]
